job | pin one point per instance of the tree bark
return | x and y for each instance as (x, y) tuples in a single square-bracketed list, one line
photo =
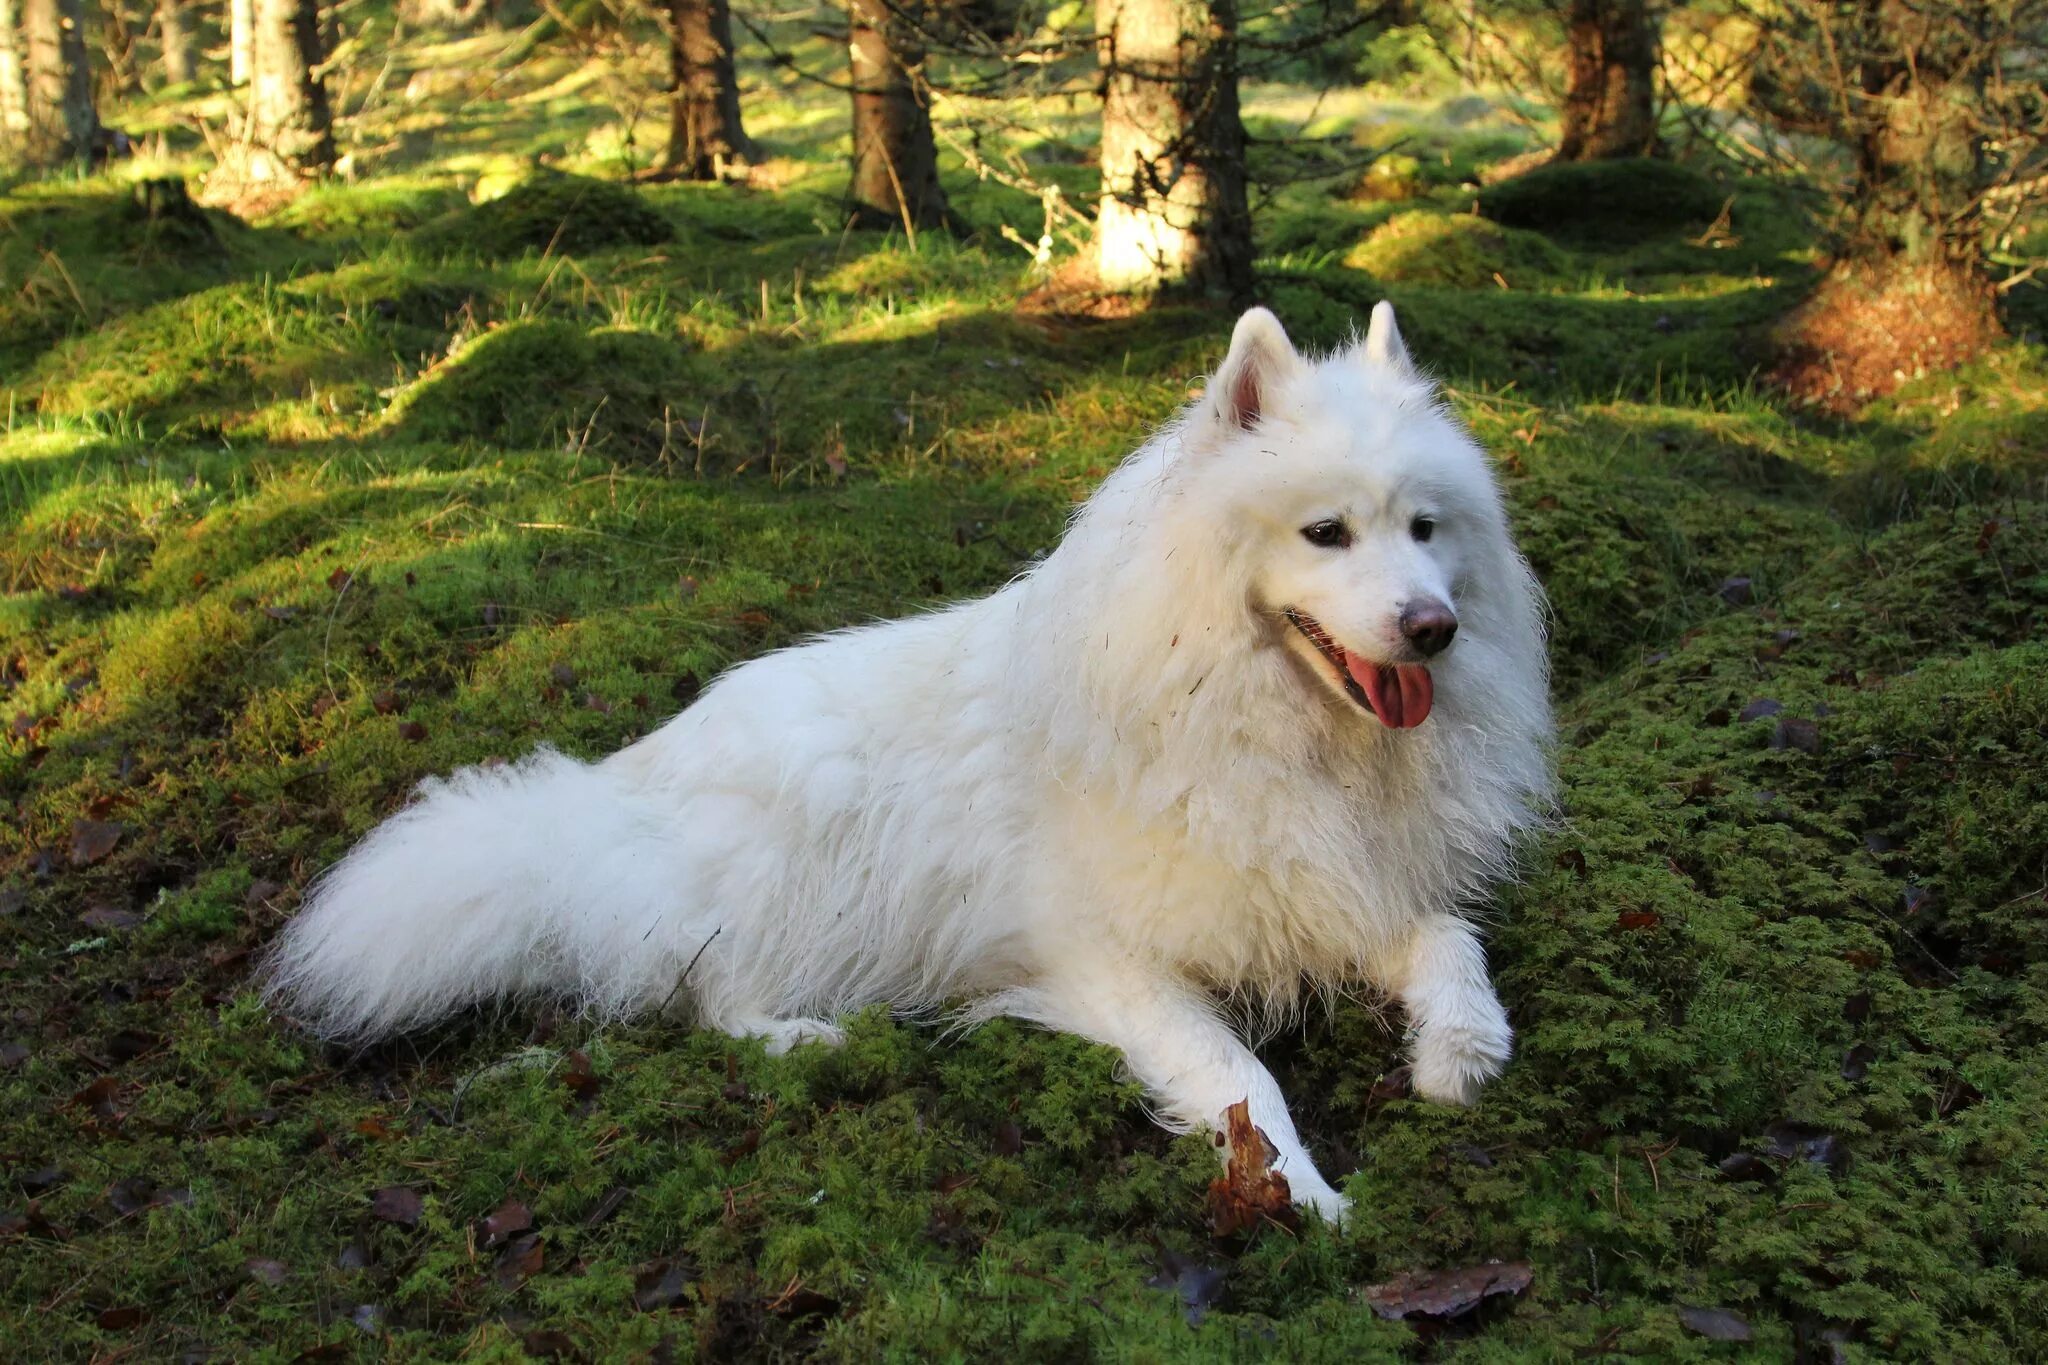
[(174, 36), (62, 123), (705, 136), (1174, 211), (1610, 103), (895, 162), (290, 130), (13, 87), (241, 40)]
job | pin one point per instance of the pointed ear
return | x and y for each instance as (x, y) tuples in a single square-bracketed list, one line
[(1383, 345), (1260, 358)]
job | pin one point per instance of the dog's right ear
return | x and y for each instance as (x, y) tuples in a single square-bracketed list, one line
[(1260, 358)]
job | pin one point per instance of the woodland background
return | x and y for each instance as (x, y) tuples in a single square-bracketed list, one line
[(392, 387)]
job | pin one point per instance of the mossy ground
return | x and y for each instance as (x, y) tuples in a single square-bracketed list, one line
[(301, 513)]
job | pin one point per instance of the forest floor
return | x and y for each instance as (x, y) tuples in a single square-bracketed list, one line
[(383, 481)]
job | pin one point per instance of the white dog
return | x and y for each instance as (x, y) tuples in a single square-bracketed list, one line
[(1271, 714)]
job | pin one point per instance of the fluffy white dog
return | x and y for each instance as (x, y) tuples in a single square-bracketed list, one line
[(1271, 714)]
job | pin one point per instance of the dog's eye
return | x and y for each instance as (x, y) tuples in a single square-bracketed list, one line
[(1422, 528), (1331, 534)]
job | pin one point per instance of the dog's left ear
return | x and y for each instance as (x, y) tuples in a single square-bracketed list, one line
[(1383, 344), (1260, 358)]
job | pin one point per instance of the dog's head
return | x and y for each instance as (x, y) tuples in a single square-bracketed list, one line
[(1362, 515)]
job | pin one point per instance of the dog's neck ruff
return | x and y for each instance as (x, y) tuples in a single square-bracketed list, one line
[(1398, 695)]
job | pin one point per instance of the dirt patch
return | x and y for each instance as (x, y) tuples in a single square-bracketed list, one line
[(1870, 328)]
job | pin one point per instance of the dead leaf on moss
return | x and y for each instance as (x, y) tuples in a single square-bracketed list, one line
[(1249, 1192), (400, 1204), (92, 840), (583, 1083), (1715, 1324), (1445, 1294), (508, 1220), (521, 1260), (660, 1286)]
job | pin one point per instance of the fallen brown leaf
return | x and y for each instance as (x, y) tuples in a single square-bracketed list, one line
[(1445, 1294), (92, 840), (509, 1219), (398, 1204), (1249, 1192)]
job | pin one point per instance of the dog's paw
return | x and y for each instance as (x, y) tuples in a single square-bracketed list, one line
[(783, 1034), (1451, 1063), (1316, 1197)]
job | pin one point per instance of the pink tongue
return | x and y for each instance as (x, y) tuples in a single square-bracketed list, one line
[(1401, 694)]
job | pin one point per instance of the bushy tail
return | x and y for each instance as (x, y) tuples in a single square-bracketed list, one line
[(548, 875)]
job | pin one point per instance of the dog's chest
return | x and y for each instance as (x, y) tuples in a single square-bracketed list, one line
[(1276, 892)]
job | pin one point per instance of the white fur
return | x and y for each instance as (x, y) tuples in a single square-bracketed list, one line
[(1101, 798)]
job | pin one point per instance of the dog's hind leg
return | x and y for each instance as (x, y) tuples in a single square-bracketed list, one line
[(1183, 1051), (781, 1034)]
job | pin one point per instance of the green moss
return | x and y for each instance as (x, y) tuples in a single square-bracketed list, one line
[(549, 212), (550, 384), (1460, 251), (1619, 201)]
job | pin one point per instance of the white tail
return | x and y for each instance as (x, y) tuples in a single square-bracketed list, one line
[(549, 875)]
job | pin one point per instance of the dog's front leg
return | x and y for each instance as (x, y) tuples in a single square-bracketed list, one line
[(1181, 1050), (1461, 1033)]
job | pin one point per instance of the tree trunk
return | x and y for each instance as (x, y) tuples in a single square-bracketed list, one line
[(1173, 189), (241, 40), (895, 163), (1907, 291), (290, 132), (62, 123), (705, 136), (13, 87), (1610, 105), (174, 34)]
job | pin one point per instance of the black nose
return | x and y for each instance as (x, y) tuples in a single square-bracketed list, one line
[(1428, 625)]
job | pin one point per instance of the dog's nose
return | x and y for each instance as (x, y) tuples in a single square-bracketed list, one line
[(1428, 624)]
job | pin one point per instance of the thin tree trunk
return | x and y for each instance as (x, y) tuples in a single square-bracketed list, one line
[(174, 35), (290, 131), (895, 163), (1173, 210), (241, 40), (62, 123), (705, 135), (1610, 104), (13, 86)]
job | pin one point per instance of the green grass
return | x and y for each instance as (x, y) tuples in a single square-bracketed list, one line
[(300, 511)]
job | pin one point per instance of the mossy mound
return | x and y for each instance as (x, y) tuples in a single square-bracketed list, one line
[(154, 223), (1629, 561), (1459, 251), (1608, 201), (549, 212), (546, 383)]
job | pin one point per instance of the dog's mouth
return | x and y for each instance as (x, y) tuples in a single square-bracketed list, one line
[(1398, 695)]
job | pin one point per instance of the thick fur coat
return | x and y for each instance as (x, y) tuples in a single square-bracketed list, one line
[(1210, 747)]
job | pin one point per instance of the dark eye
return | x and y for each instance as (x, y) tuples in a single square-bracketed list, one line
[(1422, 528), (1331, 534)]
